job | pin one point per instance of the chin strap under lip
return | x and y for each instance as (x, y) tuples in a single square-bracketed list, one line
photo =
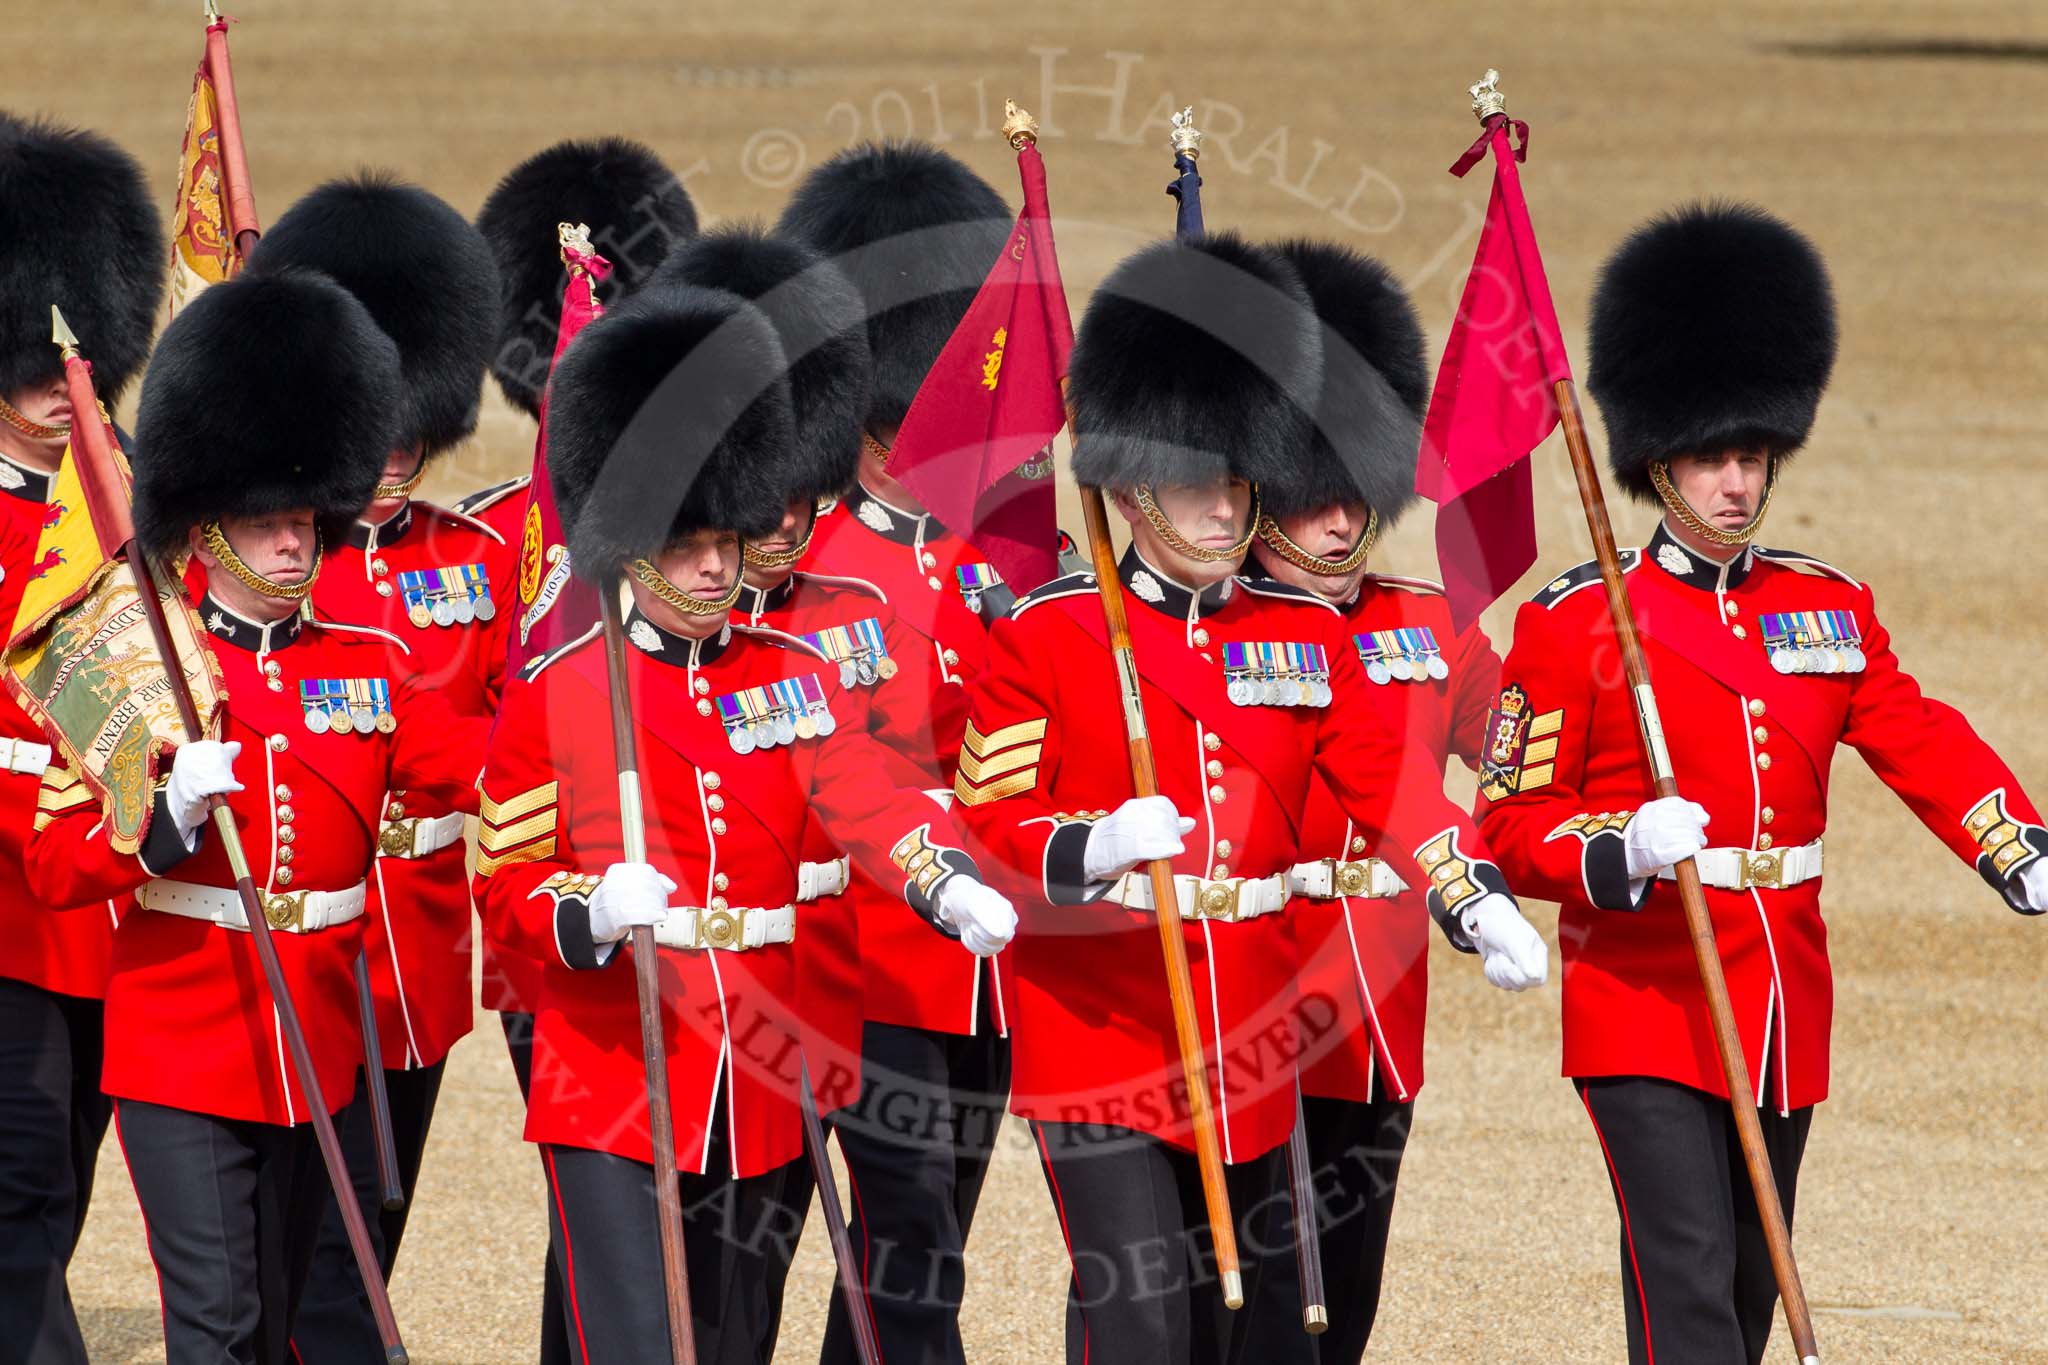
[(1280, 543), (1180, 544), (1660, 479)]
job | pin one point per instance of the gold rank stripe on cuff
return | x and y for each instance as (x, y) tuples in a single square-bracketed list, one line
[(918, 858), (511, 829), (1997, 833), (562, 885), (1449, 873), (1000, 763), (1584, 827)]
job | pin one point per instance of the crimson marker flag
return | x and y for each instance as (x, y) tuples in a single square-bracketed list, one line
[(554, 606), (976, 446), (1495, 399)]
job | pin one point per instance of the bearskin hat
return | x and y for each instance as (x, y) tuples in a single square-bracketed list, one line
[(425, 275), (78, 229), (917, 232), (1713, 327), (668, 415), (1196, 360), (819, 319), (1374, 391), (636, 209), (270, 392)]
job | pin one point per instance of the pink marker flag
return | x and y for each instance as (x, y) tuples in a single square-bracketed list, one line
[(1495, 398), (976, 446)]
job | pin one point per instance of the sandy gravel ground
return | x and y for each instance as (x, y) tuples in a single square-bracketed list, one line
[(1901, 135)]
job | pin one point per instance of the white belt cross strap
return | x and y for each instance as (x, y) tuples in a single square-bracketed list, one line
[(1328, 878), (1229, 899), (815, 881), (733, 930), (294, 912), (20, 756), (418, 836), (1739, 869)]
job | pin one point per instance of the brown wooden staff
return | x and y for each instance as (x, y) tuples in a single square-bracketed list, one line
[(92, 450), (1727, 1040), (668, 1198), (1166, 905), (391, 1186), (852, 1292)]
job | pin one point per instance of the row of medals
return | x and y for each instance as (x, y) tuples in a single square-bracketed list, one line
[(865, 668), (1245, 690), (1404, 668), (358, 720), (448, 611), (1822, 659), (780, 728)]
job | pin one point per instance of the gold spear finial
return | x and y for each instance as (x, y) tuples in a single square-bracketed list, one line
[(61, 334), (1186, 138), (1018, 126), (576, 235), (1487, 100), (212, 11)]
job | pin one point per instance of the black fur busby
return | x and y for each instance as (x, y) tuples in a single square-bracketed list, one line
[(78, 229), (668, 415), (1374, 391), (637, 211), (917, 232), (427, 278), (1195, 360), (267, 393), (1713, 327), (819, 319)]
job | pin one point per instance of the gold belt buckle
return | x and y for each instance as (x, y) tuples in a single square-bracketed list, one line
[(1763, 869), (1217, 900), (721, 928), (1353, 879), (285, 910), (397, 839)]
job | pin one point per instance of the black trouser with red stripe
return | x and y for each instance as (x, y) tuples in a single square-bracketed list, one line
[(334, 1325), (738, 1238), (917, 1147), (52, 1117), (1695, 1270), (231, 1208), (1144, 1286)]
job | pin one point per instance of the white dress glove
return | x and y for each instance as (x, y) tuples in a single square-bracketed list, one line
[(2033, 887), (984, 920), (1138, 831), (1665, 831), (630, 895), (1511, 952), (203, 768)]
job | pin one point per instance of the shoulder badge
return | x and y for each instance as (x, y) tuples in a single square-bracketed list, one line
[(1581, 576), (1521, 748), (1072, 585)]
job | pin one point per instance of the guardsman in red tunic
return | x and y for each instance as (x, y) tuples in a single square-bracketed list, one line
[(915, 230), (1247, 699), (81, 231), (432, 583), (1713, 337), (266, 413), (671, 436), (1364, 932), (636, 209)]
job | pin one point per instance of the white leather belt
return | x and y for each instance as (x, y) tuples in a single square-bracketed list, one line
[(294, 912), (1739, 869), (815, 881), (734, 930), (418, 836), (1328, 878), (20, 756), (1230, 899)]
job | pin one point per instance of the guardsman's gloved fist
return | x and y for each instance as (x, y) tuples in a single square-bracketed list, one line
[(1511, 952), (2031, 890), (631, 894), (1665, 831), (1138, 831), (203, 768), (984, 920)]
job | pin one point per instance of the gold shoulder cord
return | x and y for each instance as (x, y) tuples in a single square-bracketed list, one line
[(650, 578), (1660, 478), (1180, 544), (217, 541), (1278, 541)]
